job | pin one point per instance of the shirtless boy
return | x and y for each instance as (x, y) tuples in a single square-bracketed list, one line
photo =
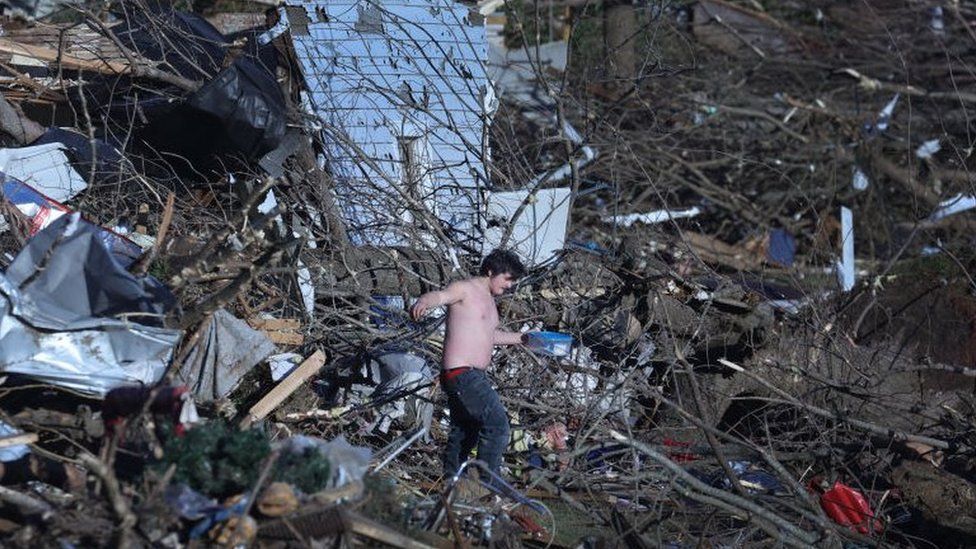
[(477, 415)]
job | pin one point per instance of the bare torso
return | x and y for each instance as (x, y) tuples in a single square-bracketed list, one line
[(471, 324)]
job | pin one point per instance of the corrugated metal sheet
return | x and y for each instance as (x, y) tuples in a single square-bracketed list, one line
[(401, 90)]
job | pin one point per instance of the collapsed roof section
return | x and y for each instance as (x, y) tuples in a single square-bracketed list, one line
[(402, 95)]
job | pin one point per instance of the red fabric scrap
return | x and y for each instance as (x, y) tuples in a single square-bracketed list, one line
[(848, 507)]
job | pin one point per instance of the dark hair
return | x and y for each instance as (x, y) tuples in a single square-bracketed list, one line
[(502, 262)]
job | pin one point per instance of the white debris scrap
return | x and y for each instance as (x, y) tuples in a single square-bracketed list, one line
[(927, 149), (885, 116), (860, 181), (44, 167), (657, 216), (845, 267), (540, 229), (282, 364), (952, 206)]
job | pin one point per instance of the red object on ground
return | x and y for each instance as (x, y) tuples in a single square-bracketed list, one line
[(679, 457), (529, 526), (848, 507), (124, 402)]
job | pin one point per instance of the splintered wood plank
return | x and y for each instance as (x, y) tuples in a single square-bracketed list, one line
[(51, 55), (284, 389), (15, 440), (285, 338), (273, 324)]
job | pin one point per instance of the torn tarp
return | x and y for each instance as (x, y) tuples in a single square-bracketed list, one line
[(246, 99), (85, 155), (228, 350), (402, 375), (237, 110), (70, 315)]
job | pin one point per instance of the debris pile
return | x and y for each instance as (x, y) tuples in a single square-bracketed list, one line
[(749, 307)]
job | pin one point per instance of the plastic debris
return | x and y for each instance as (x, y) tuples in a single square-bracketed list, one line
[(656, 216), (937, 20), (283, 364), (401, 375), (928, 149), (240, 109), (540, 229), (307, 288), (14, 452), (45, 167), (188, 503), (860, 181), (754, 479), (388, 312), (782, 248), (848, 507), (884, 117), (217, 516), (349, 463), (597, 458), (845, 267), (268, 204), (957, 204), (42, 211), (552, 344), (93, 160), (273, 162)]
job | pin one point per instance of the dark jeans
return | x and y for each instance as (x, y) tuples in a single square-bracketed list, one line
[(477, 419)]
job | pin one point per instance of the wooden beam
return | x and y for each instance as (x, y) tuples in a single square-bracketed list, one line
[(284, 338), (275, 324), (51, 55), (358, 524), (14, 440), (283, 390)]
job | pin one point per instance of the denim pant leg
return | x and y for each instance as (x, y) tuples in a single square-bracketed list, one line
[(477, 416), (464, 433), (494, 435)]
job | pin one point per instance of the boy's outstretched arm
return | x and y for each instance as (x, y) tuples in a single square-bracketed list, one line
[(452, 294)]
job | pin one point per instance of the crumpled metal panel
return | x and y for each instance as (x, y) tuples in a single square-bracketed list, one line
[(391, 81), (69, 311)]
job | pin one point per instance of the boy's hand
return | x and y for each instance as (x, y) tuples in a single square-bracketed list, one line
[(418, 309)]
